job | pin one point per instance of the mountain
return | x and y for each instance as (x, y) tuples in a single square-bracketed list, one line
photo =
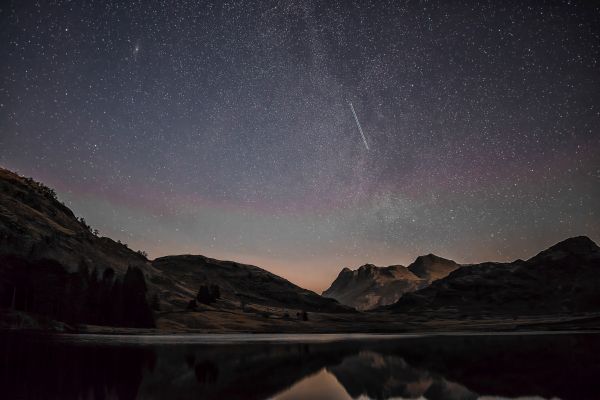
[(44, 245), (243, 283), (55, 267), (562, 279), (370, 286), (432, 267)]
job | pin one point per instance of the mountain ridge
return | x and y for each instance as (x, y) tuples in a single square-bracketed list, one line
[(370, 286), (563, 278), (36, 228), (243, 282)]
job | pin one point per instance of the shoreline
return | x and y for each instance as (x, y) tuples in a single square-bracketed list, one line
[(320, 324)]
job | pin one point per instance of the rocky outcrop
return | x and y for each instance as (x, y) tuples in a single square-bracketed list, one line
[(370, 286)]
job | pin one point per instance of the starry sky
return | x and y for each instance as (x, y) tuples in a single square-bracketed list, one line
[(224, 128)]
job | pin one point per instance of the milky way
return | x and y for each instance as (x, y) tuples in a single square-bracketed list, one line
[(223, 129)]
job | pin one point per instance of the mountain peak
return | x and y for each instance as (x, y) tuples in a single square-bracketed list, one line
[(367, 266), (431, 258), (432, 267), (578, 245), (368, 269)]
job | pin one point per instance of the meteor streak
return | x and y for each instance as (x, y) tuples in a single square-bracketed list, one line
[(358, 125)]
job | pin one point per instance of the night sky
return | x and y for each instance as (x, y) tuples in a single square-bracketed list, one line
[(225, 129)]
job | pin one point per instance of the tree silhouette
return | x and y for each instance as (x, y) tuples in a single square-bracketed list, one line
[(135, 306), (304, 315), (208, 294), (45, 287), (155, 302), (192, 305)]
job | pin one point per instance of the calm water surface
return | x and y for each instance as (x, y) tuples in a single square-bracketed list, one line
[(286, 367)]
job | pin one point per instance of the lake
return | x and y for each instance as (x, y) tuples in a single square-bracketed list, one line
[(285, 367)]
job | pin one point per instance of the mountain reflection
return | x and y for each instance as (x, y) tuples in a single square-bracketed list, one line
[(382, 377), (440, 367)]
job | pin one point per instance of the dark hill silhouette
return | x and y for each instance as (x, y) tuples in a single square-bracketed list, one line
[(563, 278), (247, 283)]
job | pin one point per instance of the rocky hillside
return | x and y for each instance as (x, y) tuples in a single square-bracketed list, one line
[(35, 225), (563, 278), (432, 267), (370, 286)]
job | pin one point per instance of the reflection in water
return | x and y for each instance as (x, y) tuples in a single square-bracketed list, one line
[(383, 377), (432, 368), (320, 386)]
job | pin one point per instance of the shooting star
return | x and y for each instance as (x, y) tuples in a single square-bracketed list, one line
[(358, 125)]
